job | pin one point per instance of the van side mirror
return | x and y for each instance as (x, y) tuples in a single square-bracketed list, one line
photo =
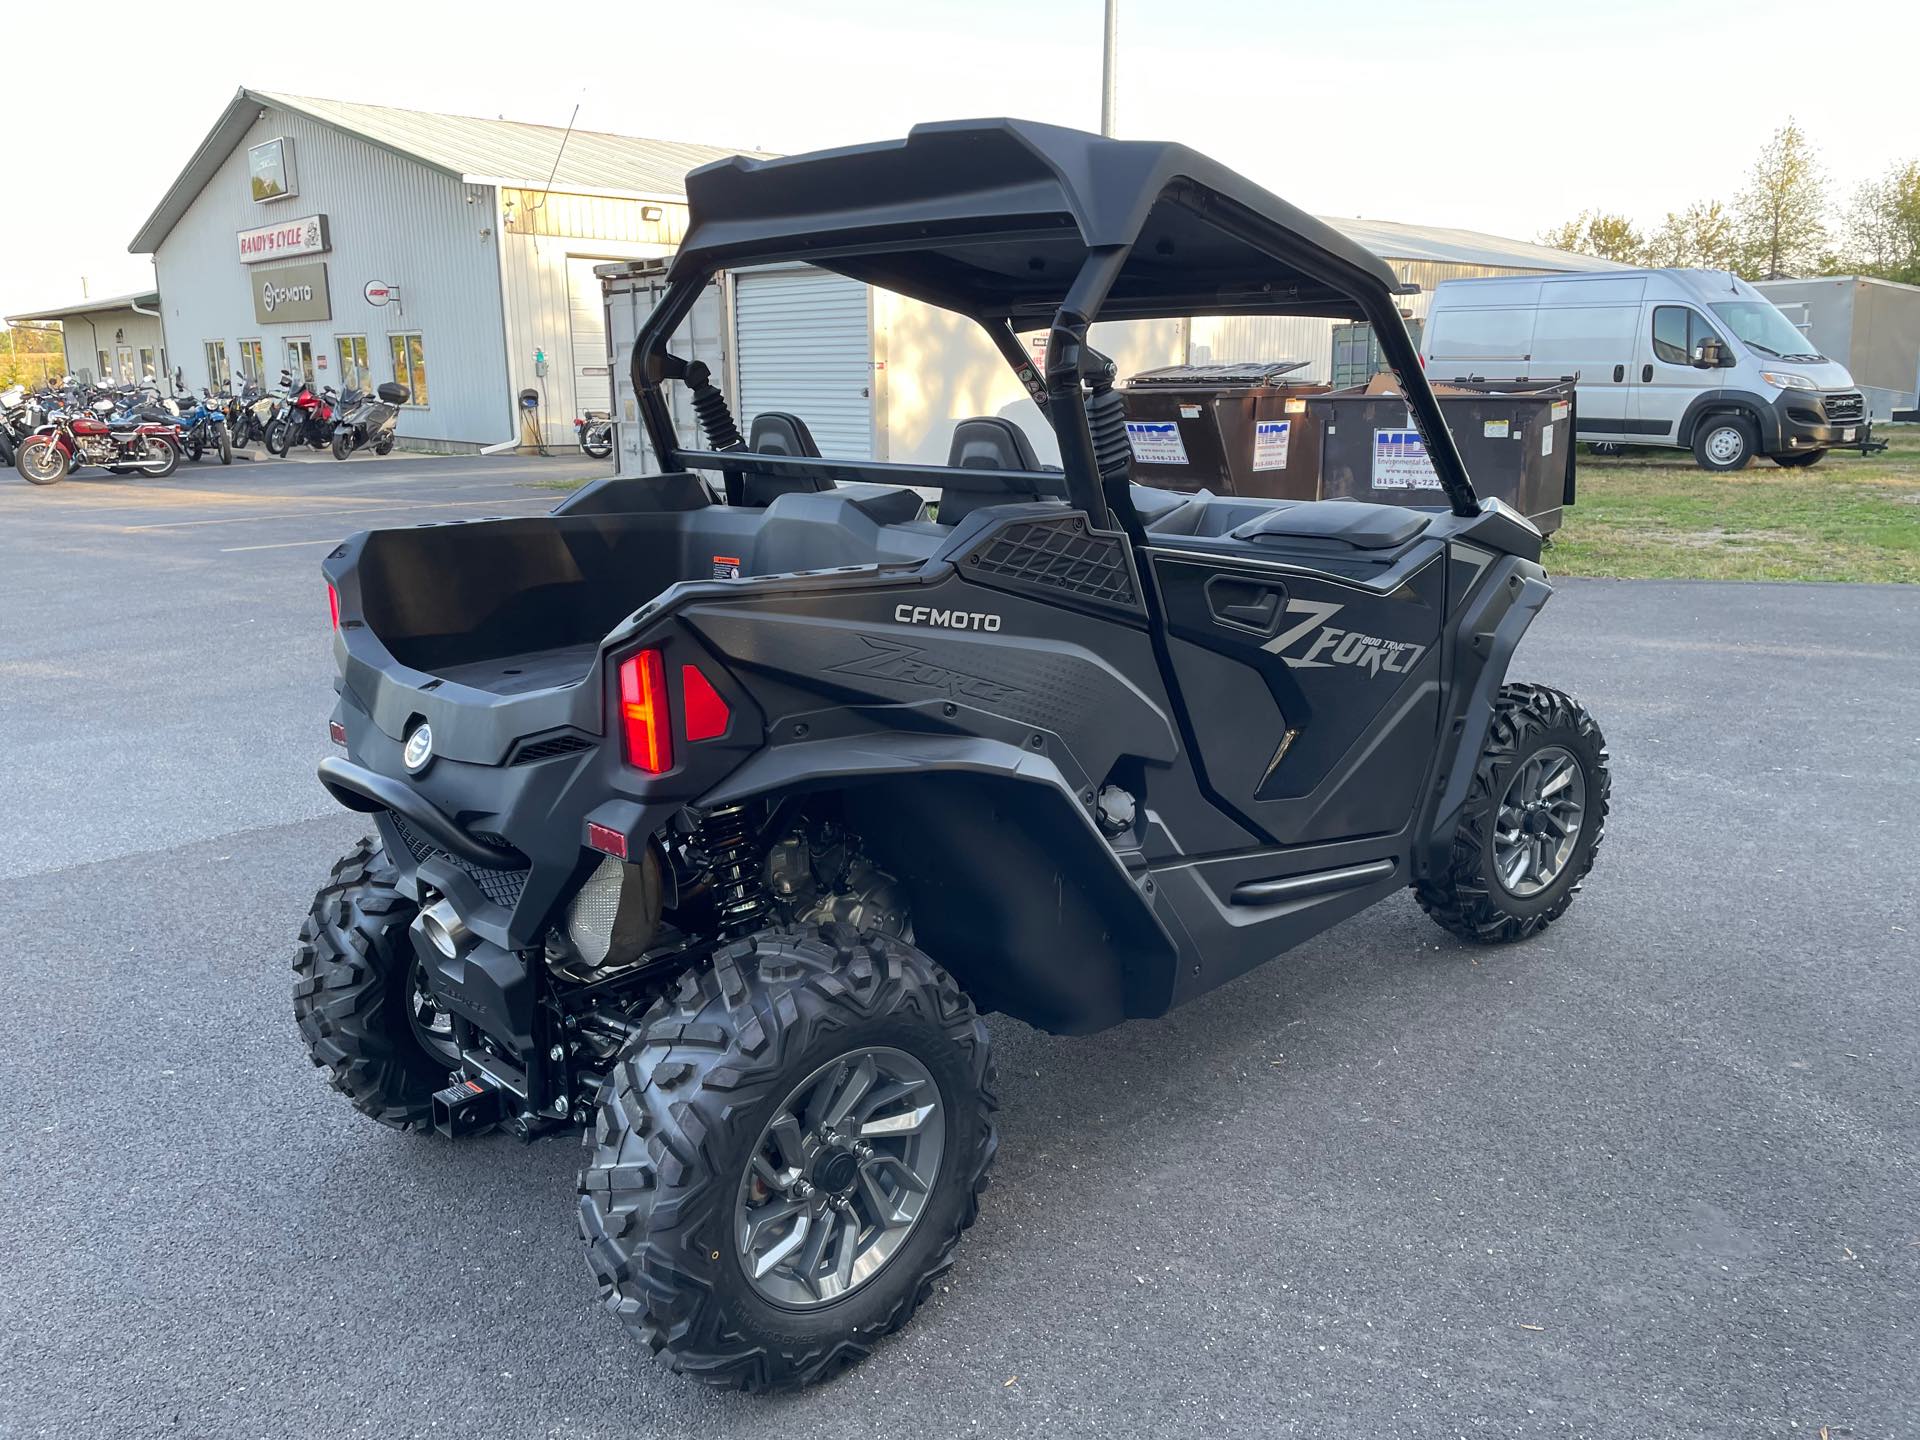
[(1710, 355)]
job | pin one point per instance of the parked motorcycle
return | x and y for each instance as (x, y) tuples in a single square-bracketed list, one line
[(20, 415), (73, 438), (307, 420), (367, 421), (203, 428), (595, 433)]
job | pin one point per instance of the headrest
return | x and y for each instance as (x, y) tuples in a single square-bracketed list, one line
[(775, 432)]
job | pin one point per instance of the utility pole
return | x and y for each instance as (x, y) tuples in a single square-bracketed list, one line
[(1109, 58)]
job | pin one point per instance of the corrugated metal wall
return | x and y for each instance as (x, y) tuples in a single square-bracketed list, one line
[(391, 220), (108, 331), (804, 345)]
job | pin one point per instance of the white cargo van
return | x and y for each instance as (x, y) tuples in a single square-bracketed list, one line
[(1696, 359)]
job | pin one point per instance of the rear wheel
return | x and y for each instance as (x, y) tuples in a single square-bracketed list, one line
[(786, 1154), (384, 445), (360, 999), (42, 462), (161, 460), (1724, 442), (196, 447), (1799, 459), (1534, 816)]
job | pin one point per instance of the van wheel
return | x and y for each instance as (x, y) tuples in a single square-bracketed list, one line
[(1607, 448), (1724, 442), (1799, 459)]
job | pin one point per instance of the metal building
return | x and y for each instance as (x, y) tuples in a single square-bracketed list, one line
[(1870, 326), (109, 340), (355, 244)]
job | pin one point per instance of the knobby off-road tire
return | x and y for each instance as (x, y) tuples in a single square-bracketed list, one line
[(353, 993), (687, 1106), (1472, 899)]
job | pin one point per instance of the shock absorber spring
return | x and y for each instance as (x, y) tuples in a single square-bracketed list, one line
[(730, 854), (710, 408)]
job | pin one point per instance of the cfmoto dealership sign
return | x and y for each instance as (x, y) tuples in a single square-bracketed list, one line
[(305, 236), (291, 293)]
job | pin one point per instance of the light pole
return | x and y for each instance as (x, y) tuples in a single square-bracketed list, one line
[(1109, 57)]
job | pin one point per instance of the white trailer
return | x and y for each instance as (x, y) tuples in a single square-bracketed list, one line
[(1870, 326)]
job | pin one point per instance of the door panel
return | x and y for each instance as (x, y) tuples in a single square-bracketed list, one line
[(587, 332), (805, 346), (1663, 363), (1316, 722)]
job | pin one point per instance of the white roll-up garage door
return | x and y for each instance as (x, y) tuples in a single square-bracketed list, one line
[(804, 345), (587, 327)]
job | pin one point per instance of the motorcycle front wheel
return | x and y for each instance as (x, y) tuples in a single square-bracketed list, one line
[(278, 437), (226, 447), (196, 447), (342, 444), (42, 462)]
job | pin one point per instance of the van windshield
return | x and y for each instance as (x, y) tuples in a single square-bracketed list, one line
[(1758, 324)]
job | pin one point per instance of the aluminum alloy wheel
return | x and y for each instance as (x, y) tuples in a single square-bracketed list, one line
[(40, 462), (432, 1026), (1538, 826), (839, 1176), (1726, 445)]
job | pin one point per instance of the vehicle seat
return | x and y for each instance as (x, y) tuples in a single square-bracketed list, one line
[(992, 442), (776, 432), (1355, 523)]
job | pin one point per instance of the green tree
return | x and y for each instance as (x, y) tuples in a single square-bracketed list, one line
[(1703, 236), (1593, 232), (1883, 226), (1781, 231)]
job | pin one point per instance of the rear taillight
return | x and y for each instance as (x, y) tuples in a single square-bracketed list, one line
[(706, 715), (643, 712), (333, 605)]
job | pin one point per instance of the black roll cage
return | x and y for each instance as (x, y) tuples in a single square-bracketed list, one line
[(1058, 391)]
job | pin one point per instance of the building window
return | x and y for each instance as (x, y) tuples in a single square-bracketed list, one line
[(127, 377), (300, 358), (355, 373), (410, 364), (104, 374), (147, 372), (253, 363), (219, 376)]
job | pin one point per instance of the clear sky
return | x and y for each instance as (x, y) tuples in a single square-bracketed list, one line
[(1498, 117)]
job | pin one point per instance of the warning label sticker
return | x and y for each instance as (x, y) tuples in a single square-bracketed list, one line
[(726, 567), (1156, 442), (1270, 444), (1400, 462), (1494, 429), (1546, 440)]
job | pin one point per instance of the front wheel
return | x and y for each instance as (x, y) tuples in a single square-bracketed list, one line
[(1533, 818), (1799, 459), (360, 1001), (279, 438), (226, 446), (42, 462), (785, 1155), (342, 444), (1724, 442)]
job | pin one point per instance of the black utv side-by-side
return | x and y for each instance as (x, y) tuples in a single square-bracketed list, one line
[(714, 808)]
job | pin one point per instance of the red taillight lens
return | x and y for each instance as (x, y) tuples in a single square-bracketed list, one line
[(333, 605), (643, 712), (707, 715)]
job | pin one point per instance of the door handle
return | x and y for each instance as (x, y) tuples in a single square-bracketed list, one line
[(1247, 604), (1646, 374), (1619, 373)]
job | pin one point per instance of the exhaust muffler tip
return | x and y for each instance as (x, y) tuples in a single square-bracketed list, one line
[(444, 928)]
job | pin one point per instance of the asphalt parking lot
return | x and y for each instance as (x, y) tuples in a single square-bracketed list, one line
[(1651, 1174)]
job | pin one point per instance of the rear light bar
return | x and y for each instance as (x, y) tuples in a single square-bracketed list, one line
[(643, 712), (706, 715)]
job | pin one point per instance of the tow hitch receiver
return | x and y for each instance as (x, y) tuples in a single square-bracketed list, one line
[(466, 1107)]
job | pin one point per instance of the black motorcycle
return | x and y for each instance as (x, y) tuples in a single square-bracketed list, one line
[(367, 421), (594, 431)]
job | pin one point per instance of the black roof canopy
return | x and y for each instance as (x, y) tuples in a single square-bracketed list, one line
[(995, 218)]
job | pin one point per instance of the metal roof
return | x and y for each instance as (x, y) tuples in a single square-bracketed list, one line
[(149, 299), (1441, 245), (479, 151)]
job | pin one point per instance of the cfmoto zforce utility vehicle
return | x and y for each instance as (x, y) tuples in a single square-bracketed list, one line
[(712, 813)]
